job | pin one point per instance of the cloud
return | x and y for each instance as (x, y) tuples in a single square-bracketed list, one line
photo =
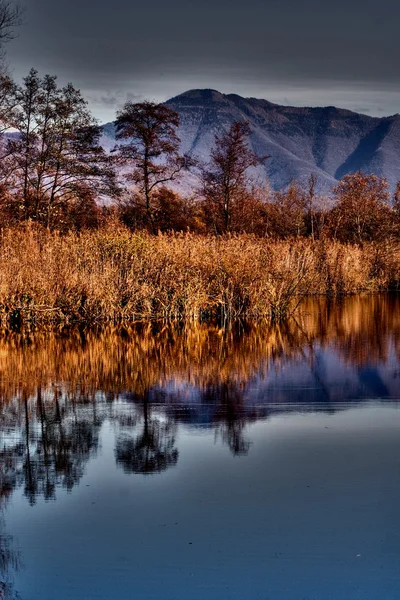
[(298, 53), (131, 97), (110, 101), (363, 110)]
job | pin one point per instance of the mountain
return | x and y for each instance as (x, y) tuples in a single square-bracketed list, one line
[(329, 142)]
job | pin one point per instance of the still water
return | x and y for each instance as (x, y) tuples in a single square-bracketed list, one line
[(160, 462)]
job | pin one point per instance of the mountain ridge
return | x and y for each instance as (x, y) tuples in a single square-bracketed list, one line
[(327, 141)]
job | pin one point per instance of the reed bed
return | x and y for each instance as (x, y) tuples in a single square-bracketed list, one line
[(112, 274)]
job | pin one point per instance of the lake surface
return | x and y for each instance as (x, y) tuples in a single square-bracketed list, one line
[(201, 463)]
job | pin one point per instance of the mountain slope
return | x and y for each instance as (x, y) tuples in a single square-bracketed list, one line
[(327, 141)]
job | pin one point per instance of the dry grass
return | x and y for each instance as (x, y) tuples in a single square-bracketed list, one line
[(112, 274)]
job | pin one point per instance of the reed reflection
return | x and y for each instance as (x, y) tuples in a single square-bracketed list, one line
[(115, 360), (57, 388)]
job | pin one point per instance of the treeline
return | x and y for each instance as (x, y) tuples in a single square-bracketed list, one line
[(54, 171)]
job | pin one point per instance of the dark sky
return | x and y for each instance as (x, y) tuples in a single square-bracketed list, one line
[(300, 52)]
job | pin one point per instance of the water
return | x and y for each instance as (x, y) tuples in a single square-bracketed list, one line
[(200, 463)]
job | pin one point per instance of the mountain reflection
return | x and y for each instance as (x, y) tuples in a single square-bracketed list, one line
[(58, 387)]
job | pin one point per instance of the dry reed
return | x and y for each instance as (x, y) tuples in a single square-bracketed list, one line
[(112, 274)]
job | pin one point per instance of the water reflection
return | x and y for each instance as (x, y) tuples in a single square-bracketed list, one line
[(10, 559), (232, 416), (146, 382), (47, 441), (361, 331), (57, 387), (152, 449), (9, 565)]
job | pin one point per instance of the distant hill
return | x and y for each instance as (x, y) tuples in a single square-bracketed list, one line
[(327, 141)]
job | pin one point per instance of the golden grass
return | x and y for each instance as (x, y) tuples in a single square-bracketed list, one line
[(112, 274)]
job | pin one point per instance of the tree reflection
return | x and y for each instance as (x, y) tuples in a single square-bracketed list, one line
[(152, 450), (10, 559), (58, 386), (10, 562), (231, 416), (50, 445)]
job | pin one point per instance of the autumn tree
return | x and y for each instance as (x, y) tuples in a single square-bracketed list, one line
[(249, 213), (169, 212), (396, 199), (172, 212), (396, 208), (362, 212), (224, 180), (287, 212), (56, 159), (310, 203), (149, 149)]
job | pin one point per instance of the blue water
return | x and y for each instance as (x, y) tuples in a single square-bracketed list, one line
[(204, 485)]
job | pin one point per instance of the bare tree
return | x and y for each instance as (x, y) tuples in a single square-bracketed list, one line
[(10, 18), (150, 147), (362, 212), (7, 101), (56, 158), (224, 180)]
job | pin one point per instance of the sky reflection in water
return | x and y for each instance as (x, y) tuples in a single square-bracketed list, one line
[(171, 462)]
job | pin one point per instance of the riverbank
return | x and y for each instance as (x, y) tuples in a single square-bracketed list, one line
[(113, 274)]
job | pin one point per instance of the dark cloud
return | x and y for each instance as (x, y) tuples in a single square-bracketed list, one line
[(364, 110), (272, 48), (109, 101), (134, 97)]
